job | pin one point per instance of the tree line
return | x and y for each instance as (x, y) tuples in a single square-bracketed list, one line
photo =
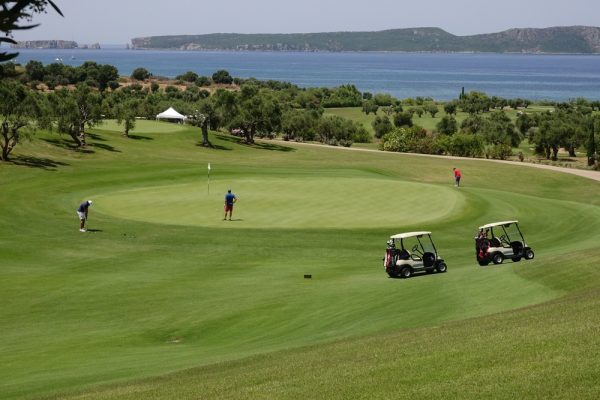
[(69, 100), (488, 131)]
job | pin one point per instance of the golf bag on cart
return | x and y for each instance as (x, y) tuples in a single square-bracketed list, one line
[(390, 255)]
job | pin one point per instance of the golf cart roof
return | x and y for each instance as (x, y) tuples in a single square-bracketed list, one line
[(409, 234), (498, 224)]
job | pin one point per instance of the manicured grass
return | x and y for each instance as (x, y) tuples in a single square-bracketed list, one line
[(161, 284)]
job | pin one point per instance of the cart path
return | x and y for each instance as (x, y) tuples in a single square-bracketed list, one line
[(594, 175)]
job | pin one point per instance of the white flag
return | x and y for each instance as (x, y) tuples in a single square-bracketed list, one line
[(209, 166)]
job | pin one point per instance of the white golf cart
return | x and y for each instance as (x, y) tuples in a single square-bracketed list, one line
[(412, 252), (498, 241)]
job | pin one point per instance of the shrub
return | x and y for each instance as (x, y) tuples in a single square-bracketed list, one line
[(464, 145), (499, 151), (203, 81), (223, 77), (140, 74), (403, 119), (381, 126)]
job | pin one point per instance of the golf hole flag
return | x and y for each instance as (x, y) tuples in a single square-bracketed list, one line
[(208, 180)]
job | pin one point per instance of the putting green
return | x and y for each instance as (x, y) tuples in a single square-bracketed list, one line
[(297, 202)]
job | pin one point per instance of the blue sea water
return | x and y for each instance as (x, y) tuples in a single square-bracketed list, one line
[(438, 75)]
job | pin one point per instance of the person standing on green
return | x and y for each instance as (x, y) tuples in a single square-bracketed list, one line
[(229, 200), (457, 176)]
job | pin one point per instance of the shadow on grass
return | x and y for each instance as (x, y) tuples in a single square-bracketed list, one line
[(214, 146), (95, 136), (256, 145), (417, 275), (37, 162), (95, 230), (105, 147), (139, 137), (68, 145)]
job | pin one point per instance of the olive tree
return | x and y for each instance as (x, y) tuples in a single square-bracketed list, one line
[(74, 110), (21, 110)]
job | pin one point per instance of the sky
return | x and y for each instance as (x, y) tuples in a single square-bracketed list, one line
[(118, 21)]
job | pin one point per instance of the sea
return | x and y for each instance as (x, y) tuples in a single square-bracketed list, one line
[(440, 76)]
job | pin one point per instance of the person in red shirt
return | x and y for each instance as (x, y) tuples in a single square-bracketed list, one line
[(457, 176)]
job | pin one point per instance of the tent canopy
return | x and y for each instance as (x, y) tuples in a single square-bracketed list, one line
[(170, 113)]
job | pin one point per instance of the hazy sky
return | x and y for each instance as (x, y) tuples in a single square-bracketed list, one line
[(117, 21)]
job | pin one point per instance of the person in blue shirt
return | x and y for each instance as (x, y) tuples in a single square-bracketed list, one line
[(82, 212), (229, 200)]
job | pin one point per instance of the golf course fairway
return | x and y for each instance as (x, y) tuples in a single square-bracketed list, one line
[(162, 299)]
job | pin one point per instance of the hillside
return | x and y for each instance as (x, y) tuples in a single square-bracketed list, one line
[(572, 39)]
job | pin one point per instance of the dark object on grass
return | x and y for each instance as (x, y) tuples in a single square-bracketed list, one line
[(307, 276)]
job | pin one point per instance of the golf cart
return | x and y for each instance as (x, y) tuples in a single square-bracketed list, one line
[(498, 241), (412, 252)]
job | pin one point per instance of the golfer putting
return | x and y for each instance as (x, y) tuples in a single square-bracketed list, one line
[(230, 199), (82, 212)]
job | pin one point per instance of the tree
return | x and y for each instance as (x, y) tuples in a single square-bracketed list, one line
[(140, 74), (451, 107), (447, 125), (12, 12), (189, 76), (475, 102), (35, 70), (382, 126), (256, 111), (126, 113), (222, 76), (499, 129), (299, 124), (417, 110), (335, 130), (432, 109), (369, 106), (20, 109), (206, 115), (403, 119), (75, 110)]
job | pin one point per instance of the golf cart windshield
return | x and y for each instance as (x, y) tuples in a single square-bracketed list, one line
[(503, 232), (416, 245)]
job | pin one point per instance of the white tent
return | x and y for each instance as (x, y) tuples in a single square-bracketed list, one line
[(170, 113)]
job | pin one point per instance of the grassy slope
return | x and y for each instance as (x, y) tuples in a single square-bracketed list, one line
[(140, 297)]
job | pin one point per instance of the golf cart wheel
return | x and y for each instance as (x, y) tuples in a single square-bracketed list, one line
[(393, 272), (529, 254), (441, 267), (498, 258), (405, 272)]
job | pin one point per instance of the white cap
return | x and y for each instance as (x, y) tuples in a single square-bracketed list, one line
[(89, 202)]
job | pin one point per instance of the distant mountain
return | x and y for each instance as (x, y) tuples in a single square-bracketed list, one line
[(569, 39), (46, 44), (53, 44)]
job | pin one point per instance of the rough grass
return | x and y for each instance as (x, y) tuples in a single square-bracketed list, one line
[(161, 285)]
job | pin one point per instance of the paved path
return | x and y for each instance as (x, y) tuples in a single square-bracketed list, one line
[(594, 175)]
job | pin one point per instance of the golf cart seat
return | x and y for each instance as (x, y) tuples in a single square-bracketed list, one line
[(517, 246), (495, 242), (428, 260), (402, 254)]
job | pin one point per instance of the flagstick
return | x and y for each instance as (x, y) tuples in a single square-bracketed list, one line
[(208, 188)]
